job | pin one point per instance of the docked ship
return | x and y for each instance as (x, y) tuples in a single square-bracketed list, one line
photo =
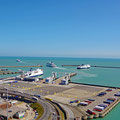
[(87, 66), (50, 64), (33, 73)]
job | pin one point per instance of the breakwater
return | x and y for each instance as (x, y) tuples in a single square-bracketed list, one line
[(21, 66), (106, 67), (97, 66), (70, 65), (95, 85), (7, 72)]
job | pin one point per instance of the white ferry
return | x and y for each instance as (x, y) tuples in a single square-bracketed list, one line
[(18, 60), (33, 73), (87, 66), (50, 64)]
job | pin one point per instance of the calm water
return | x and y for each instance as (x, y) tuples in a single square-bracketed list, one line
[(99, 76)]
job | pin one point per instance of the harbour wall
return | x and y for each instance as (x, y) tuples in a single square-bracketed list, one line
[(95, 85)]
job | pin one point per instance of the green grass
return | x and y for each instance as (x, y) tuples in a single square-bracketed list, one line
[(39, 108)]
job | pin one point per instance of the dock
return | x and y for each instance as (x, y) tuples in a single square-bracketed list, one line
[(21, 66), (63, 94), (58, 80)]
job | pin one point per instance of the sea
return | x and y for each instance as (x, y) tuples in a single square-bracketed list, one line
[(94, 75)]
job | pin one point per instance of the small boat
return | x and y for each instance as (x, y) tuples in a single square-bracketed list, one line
[(50, 64), (18, 60), (87, 66)]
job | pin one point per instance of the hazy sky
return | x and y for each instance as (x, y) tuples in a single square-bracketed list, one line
[(76, 28)]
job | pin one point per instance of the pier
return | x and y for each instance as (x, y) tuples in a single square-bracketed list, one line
[(97, 66), (7, 72), (70, 65), (58, 80), (106, 67), (21, 66)]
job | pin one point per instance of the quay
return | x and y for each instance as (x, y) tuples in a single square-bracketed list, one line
[(21, 66), (61, 95), (58, 80), (87, 84)]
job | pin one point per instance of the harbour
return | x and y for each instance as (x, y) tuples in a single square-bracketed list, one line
[(63, 97), (60, 94), (59, 60), (75, 90)]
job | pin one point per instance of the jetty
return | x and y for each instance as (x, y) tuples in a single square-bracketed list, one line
[(70, 65), (7, 72), (21, 66), (97, 66), (106, 66), (58, 80)]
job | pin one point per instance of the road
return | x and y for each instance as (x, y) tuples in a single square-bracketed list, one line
[(48, 109)]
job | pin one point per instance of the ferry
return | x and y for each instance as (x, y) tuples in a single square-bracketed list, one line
[(50, 64), (33, 73), (87, 66), (18, 60)]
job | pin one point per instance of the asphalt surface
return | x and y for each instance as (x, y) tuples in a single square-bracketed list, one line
[(48, 109), (69, 112), (99, 100)]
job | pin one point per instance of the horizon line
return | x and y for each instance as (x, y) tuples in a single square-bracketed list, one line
[(66, 57)]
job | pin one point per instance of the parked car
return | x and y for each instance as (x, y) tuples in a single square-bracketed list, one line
[(108, 102), (91, 100), (83, 104), (103, 105), (117, 94), (90, 112), (102, 94), (98, 108), (109, 90), (112, 99), (88, 101), (37, 96)]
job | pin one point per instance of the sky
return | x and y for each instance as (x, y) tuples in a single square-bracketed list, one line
[(60, 28)]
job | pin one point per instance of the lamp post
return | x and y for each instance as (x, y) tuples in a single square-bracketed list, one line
[(7, 102)]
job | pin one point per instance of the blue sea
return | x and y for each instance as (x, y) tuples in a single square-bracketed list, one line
[(98, 76)]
